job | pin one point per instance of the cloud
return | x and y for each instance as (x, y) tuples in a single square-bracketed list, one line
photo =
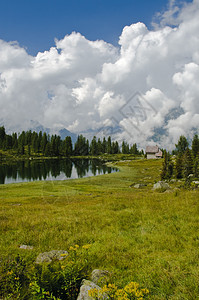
[(82, 85)]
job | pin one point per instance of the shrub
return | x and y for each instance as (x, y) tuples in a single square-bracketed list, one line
[(62, 279), (111, 291), (14, 279)]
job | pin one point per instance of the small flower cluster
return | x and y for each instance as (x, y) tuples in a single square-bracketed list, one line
[(76, 247), (111, 291)]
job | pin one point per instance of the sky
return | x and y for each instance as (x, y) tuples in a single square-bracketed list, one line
[(125, 68), (35, 24)]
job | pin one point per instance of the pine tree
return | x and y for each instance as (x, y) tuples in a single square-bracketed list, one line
[(195, 145), (109, 145), (104, 145), (196, 167), (182, 145), (99, 146), (68, 147), (44, 141), (2, 136), (81, 146), (93, 146), (125, 148), (134, 149), (179, 166), (187, 163), (167, 168), (14, 141), (47, 150)]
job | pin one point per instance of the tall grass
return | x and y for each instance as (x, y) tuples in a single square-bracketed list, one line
[(138, 235)]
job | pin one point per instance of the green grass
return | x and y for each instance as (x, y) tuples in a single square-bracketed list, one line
[(139, 235)]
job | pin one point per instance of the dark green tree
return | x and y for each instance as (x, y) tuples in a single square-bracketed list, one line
[(125, 148), (81, 146), (68, 146), (8, 142), (99, 146), (167, 168), (2, 136), (195, 145), (187, 163), (28, 136), (196, 167), (39, 140), (182, 145), (44, 141), (104, 145), (179, 166), (94, 146), (35, 142), (14, 141), (115, 148), (109, 145), (47, 150), (134, 149)]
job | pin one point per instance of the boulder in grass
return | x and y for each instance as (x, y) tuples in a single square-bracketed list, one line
[(50, 256), (86, 286), (26, 247), (139, 185), (100, 277), (161, 185)]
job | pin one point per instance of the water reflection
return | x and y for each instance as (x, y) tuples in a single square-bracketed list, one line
[(52, 169)]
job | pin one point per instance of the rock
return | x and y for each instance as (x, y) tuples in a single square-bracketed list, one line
[(85, 287), (100, 277), (50, 256), (190, 175), (196, 183), (26, 247), (139, 185), (173, 180), (161, 185)]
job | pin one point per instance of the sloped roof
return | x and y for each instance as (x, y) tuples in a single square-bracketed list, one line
[(152, 149), (159, 154)]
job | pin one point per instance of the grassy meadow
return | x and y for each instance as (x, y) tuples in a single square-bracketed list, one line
[(142, 235)]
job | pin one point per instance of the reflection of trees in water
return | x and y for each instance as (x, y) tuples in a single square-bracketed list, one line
[(38, 170), (67, 167), (81, 166)]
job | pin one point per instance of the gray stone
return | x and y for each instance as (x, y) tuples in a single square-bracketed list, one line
[(139, 185), (173, 180), (161, 185), (100, 277), (50, 256), (196, 183), (26, 247), (85, 287)]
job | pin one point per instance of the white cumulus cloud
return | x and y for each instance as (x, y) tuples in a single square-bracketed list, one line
[(82, 85)]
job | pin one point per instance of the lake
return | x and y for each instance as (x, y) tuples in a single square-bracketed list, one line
[(52, 169)]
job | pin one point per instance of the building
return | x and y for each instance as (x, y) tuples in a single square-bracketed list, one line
[(153, 152)]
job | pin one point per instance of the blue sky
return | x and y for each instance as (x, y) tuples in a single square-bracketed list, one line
[(35, 24)]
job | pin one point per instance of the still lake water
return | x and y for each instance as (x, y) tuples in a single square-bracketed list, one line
[(52, 169)]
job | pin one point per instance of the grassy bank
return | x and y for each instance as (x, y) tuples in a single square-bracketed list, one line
[(11, 156), (139, 235)]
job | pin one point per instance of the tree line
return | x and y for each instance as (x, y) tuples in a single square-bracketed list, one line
[(185, 161), (33, 143)]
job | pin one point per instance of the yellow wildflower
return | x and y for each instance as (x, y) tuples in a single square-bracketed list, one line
[(87, 246), (9, 272), (74, 248)]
